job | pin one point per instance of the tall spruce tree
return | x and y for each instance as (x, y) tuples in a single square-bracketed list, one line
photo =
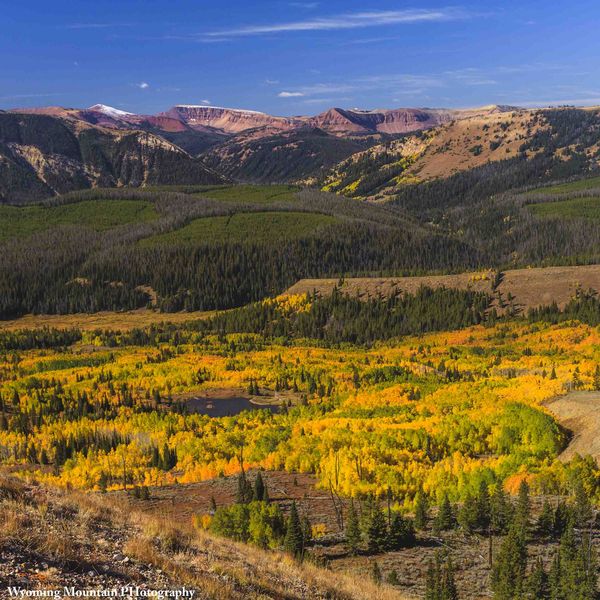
[(508, 571), (537, 586), (375, 528), (523, 509), (353, 534), (500, 510), (444, 519), (259, 488), (294, 536), (421, 510)]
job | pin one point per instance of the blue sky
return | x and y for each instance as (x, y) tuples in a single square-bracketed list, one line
[(286, 57)]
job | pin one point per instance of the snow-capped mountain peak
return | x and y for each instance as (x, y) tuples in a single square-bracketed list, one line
[(110, 111)]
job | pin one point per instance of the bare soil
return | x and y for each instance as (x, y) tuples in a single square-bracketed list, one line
[(122, 321), (579, 412), (530, 287)]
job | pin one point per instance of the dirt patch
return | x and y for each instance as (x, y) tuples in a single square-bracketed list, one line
[(371, 287), (579, 412), (182, 502), (123, 321), (529, 287)]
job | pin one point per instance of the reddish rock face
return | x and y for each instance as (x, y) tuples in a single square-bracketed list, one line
[(227, 119), (402, 120), (231, 122)]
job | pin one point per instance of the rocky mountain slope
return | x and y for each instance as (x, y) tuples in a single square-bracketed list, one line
[(46, 154), (402, 120), (379, 172), (50, 539), (281, 156)]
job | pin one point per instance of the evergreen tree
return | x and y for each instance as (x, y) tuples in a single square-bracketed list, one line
[(483, 506), (307, 535), (500, 510), (583, 508), (440, 583), (421, 510), (259, 488), (508, 571), (444, 519), (245, 492), (468, 514), (523, 509), (545, 522), (353, 530), (537, 586), (448, 584), (294, 537), (375, 528), (401, 533)]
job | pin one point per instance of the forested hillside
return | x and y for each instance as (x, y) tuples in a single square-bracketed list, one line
[(479, 155), (42, 155), (281, 157), (216, 247), (79, 266)]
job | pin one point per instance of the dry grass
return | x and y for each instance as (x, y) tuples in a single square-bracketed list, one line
[(578, 412), (530, 287), (79, 534), (122, 321)]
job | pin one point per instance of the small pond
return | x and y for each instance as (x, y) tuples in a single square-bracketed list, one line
[(224, 407)]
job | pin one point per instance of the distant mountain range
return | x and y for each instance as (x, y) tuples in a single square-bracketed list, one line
[(362, 153), (217, 121), (51, 150)]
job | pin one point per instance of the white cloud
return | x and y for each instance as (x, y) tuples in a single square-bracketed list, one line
[(271, 81), (143, 85), (290, 94), (351, 21), (205, 102), (305, 5)]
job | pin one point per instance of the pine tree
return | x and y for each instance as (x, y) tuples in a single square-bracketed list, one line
[(500, 510), (468, 514), (448, 584), (444, 519), (375, 528), (583, 508), (259, 488), (545, 522), (563, 515), (523, 509), (537, 586), (508, 571), (440, 583), (433, 579), (483, 506), (294, 537), (245, 492), (401, 533), (421, 510), (353, 530)]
